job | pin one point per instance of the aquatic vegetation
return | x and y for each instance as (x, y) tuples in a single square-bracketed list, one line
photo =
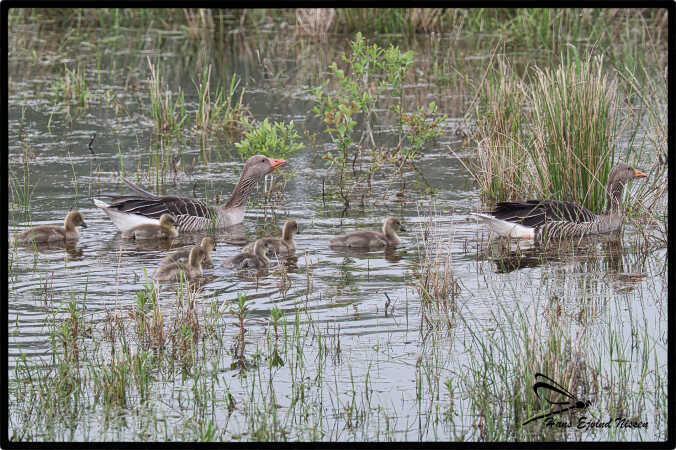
[(169, 114), (441, 338), (549, 135), (366, 75), (278, 139), (226, 112)]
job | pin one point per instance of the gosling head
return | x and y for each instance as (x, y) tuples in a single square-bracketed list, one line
[(167, 221), (74, 219), (208, 243), (393, 224)]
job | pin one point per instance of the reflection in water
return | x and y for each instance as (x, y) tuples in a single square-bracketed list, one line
[(510, 256), (233, 235), (74, 253), (392, 254)]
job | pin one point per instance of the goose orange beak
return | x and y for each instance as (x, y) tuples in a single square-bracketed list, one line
[(274, 163), (639, 174)]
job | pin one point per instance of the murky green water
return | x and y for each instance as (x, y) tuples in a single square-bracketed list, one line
[(610, 298)]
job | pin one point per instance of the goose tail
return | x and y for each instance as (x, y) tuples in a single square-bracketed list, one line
[(123, 221), (504, 228), (137, 189)]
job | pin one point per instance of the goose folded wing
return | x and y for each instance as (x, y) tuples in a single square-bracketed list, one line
[(534, 213), (155, 207)]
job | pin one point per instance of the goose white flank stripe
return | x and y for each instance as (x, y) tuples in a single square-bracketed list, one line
[(504, 228)]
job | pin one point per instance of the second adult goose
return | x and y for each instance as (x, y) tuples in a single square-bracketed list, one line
[(553, 219), (164, 230), (371, 239), (254, 260), (282, 246), (53, 233), (127, 211), (173, 270), (208, 244)]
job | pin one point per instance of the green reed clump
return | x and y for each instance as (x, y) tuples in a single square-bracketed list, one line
[(72, 86), (501, 130), (226, 112), (553, 135), (575, 129), (168, 114), (435, 284)]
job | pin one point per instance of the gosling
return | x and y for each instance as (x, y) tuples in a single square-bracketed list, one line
[(208, 244), (285, 245), (171, 271), (255, 260), (371, 239), (165, 230), (53, 233)]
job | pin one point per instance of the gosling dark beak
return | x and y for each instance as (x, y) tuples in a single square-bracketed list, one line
[(274, 163), (639, 174), (83, 224)]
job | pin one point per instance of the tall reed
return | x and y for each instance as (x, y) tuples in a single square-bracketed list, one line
[(552, 134)]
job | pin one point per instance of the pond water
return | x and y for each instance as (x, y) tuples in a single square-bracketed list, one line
[(376, 362)]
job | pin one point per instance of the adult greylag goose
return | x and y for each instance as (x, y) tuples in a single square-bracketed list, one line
[(553, 219), (127, 211), (172, 270), (53, 233), (282, 246), (164, 230), (371, 239), (208, 244), (254, 260)]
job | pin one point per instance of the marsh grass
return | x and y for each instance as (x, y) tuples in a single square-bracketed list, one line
[(226, 112), (551, 135), (436, 284), (314, 22), (575, 116), (555, 338), (168, 114), (71, 87)]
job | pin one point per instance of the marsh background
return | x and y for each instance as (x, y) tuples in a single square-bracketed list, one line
[(439, 339)]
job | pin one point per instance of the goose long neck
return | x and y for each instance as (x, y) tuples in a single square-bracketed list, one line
[(241, 192), (614, 198)]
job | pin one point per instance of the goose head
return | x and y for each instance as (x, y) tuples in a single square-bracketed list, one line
[(74, 219), (254, 169), (620, 175), (258, 166)]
